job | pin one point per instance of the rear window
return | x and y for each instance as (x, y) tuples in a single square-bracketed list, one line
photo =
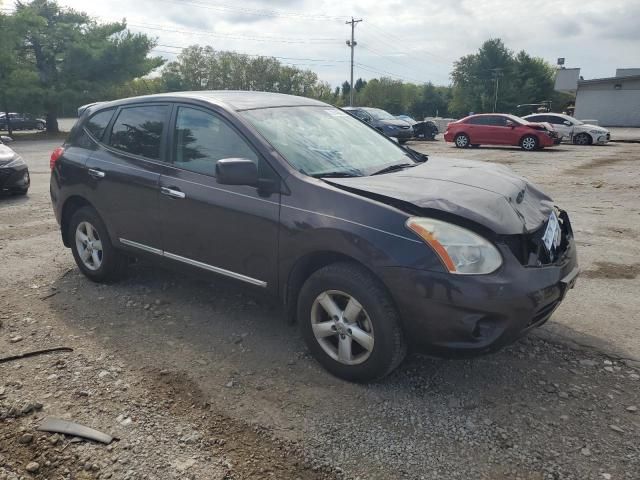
[(138, 130), (97, 124)]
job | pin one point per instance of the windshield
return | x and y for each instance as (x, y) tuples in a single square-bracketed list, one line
[(379, 114), (325, 140)]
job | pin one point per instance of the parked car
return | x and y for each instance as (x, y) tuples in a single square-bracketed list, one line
[(500, 129), (22, 121), (371, 247), (14, 173), (383, 121), (426, 130), (574, 130)]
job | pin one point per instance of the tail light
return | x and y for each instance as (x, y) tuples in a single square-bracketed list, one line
[(57, 153)]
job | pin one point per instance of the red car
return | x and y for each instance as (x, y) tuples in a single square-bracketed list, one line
[(500, 129)]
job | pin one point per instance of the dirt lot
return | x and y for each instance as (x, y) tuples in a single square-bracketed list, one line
[(204, 380)]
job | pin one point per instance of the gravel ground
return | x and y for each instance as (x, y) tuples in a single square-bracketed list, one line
[(203, 379)]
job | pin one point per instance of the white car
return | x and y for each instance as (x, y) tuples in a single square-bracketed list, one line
[(576, 131)]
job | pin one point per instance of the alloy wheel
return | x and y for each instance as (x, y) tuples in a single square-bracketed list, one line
[(342, 327), (529, 143), (462, 141), (89, 245), (582, 139)]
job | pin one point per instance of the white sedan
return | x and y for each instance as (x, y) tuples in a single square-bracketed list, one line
[(576, 131)]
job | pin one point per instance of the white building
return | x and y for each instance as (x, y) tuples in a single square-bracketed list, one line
[(613, 101)]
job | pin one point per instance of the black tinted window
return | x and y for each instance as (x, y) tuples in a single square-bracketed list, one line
[(497, 121), (202, 138), (138, 130), (478, 121), (98, 123)]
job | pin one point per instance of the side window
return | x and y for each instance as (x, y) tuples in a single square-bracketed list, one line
[(498, 121), (138, 130), (478, 121), (97, 124), (202, 138), (554, 120), (535, 118)]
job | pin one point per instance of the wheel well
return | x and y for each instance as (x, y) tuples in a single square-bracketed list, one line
[(71, 205), (302, 270)]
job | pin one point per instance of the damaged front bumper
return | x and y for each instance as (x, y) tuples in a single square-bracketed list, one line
[(473, 314)]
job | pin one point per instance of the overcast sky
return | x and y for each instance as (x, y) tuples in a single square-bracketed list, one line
[(415, 40)]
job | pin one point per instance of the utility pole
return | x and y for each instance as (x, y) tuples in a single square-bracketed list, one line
[(352, 43), (497, 73)]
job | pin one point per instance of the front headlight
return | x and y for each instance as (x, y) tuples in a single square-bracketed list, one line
[(597, 132), (16, 162), (460, 250)]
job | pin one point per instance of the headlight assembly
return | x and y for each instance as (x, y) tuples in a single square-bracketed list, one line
[(460, 250)]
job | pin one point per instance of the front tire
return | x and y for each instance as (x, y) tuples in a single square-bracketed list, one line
[(529, 143), (582, 139), (349, 323), (462, 140), (91, 246)]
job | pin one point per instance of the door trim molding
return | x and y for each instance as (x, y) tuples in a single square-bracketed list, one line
[(194, 263)]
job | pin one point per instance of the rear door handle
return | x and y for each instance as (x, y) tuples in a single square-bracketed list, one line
[(171, 192), (97, 173)]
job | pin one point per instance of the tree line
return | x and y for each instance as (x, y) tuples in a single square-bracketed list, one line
[(54, 59)]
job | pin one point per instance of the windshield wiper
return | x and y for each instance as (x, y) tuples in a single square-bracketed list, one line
[(335, 174), (394, 167)]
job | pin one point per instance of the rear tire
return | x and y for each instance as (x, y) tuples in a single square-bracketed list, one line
[(529, 143), (92, 249), (462, 140), (361, 340)]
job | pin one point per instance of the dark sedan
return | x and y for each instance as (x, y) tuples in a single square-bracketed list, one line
[(371, 247), (426, 130), (383, 122), (14, 174), (21, 121)]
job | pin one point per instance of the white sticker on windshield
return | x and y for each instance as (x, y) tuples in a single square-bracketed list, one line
[(336, 113)]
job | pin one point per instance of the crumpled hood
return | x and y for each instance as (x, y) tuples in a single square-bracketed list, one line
[(6, 154), (489, 194)]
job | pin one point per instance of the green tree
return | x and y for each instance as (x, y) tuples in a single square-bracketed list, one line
[(203, 68), (520, 79), (19, 89), (75, 57)]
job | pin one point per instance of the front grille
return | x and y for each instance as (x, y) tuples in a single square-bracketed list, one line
[(404, 127), (608, 137), (530, 250)]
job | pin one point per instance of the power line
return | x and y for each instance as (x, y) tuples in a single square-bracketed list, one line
[(266, 56), (305, 40)]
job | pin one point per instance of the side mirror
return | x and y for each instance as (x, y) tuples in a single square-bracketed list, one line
[(510, 124), (5, 139), (237, 171), (567, 123)]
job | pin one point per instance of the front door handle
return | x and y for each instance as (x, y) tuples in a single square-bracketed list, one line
[(97, 173), (171, 192)]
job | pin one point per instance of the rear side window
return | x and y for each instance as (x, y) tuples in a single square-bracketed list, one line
[(97, 124), (138, 130), (202, 138), (478, 121)]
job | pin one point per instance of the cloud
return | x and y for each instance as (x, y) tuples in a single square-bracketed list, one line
[(416, 41)]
